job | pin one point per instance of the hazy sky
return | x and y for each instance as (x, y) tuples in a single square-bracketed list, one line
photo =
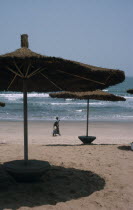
[(96, 32)]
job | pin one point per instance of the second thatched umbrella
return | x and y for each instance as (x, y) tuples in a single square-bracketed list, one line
[(2, 104), (130, 91), (95, 95)]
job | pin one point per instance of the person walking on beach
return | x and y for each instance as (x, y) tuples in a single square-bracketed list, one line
[(56, 129)]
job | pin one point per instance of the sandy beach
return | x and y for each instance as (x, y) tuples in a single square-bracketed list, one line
[(97, 176)]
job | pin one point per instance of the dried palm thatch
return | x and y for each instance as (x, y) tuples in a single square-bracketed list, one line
[(45, 73), (2, 104), (95, 95), (130, 91)]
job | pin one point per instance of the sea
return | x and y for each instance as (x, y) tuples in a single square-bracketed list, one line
[(41, 107)]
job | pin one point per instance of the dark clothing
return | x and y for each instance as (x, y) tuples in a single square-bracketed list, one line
[(56, 124), (56, 128)]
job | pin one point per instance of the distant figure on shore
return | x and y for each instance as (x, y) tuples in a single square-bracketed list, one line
[(56, 130)]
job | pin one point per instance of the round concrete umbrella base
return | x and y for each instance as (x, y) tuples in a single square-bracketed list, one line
[(30, 171), (87, 139)]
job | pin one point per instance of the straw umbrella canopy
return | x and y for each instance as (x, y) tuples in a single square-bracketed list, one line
[(95, 95), (130, 91), (46, 74), (2, 104), (26, 71)]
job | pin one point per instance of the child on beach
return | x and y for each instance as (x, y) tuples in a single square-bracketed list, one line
[(56, 130)]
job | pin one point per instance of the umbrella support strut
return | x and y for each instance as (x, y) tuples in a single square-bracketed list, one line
[(25, 121), (87, 117)]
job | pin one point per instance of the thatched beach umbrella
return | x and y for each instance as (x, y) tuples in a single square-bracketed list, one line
[(95, 95), (130, 91), (24, 70), (2, 104)]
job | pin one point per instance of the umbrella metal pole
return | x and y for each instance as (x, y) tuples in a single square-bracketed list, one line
[(87, 117), (25, 121)]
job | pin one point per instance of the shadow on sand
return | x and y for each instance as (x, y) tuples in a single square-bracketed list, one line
[(59, 184), (124, 147), (74, 145), (62, 145)]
